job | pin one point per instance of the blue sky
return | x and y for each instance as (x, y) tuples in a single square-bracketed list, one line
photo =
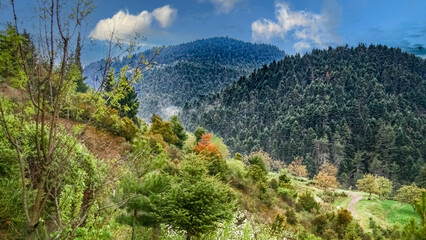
[(293, 26)]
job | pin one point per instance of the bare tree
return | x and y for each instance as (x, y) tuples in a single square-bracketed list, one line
[(47, 85)]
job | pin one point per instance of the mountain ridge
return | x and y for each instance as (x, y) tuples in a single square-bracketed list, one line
[(345, 105), (185, 71)]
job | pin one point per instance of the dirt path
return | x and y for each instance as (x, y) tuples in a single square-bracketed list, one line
[(352, 204)]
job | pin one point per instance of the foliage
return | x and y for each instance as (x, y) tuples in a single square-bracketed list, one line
[(284, 179), (297, 168), (120, 94), (188, 70), (278, 225), (420, 206), (308, 202), (10, 41), (327, 105), (385, 186), (291, 216), (342, 220), (223, 149), (257, 174), (163, 128), (198, 133), (326, 178), (368, 184), (196, 202), (179, 131), (421, 177), (211, 154), (408, 194), (258, 161)]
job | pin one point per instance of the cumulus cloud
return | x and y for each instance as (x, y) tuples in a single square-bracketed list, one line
[(165, 15), (223, 6), (305, 27), (123, 24)]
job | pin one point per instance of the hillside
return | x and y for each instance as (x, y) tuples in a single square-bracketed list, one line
[(191, 69), (361, 108)]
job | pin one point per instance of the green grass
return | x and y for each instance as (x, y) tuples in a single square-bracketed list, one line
[(399, 213), (342, 202), (385, 212)]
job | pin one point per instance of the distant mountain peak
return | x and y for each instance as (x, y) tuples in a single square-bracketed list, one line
[(191, 69)]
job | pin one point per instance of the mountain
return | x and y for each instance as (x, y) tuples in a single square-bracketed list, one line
[(361, 108), (191, 69)]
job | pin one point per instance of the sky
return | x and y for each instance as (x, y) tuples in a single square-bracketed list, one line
[(295, 26)]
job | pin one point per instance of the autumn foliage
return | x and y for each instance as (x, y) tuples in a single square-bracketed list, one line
[(205, 146), (297, 168), (326, 178)]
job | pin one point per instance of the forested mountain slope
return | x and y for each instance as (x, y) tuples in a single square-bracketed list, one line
[(191, 69), (361, 108)]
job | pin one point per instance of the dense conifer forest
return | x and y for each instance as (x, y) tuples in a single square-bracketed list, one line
[(361, 108), (329, 145), (186, 71)]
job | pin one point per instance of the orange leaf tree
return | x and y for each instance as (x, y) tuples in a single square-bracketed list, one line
[(297, 168)]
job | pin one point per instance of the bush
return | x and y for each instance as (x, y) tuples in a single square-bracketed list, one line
[(319, 223), (273, 184), (287, 194), (342, 220), (278, 225), (329, 234), (291, 216), (257, 160), (307, 201), (237, 174), (329, 196), (285, 180), (257, 174)]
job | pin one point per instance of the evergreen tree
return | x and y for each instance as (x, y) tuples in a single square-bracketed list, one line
[(81, 86), (178, 130)]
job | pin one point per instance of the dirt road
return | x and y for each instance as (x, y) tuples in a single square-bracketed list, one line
[(352, 204)]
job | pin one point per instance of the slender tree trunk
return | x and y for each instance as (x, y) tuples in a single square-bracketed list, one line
[(30, 233)]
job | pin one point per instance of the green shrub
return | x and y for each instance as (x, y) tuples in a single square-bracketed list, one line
[(291, 216), (287, 194), (307, 201), (278, 225), (319, 223), (237, 174), (273, 184), (284, 178), (257, 160), (257, 174)]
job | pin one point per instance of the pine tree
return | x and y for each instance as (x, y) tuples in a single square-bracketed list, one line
[(81, 86), (178, 130)]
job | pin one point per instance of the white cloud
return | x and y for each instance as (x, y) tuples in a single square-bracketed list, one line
[(165, 15), (223, 6), (300, 46), (305, 27), (123, 24)]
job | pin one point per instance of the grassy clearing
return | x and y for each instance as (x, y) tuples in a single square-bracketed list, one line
[(342, 202), (385, 212), (399, 213)]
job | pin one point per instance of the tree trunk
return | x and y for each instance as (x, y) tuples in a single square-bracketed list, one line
[(31, 230)]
